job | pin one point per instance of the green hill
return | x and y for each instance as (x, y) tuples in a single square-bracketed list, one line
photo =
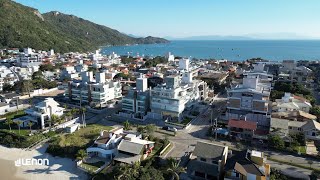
[(22, 26)]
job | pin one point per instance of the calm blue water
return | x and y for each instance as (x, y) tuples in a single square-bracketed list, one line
[(275, 50)]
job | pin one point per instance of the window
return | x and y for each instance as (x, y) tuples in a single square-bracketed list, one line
[(290, 127), (299, 129)]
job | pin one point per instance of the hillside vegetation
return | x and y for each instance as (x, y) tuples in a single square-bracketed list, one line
[(22, 26)]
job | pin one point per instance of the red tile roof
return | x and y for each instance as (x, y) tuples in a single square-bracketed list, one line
[(300, 98), (242, 124)]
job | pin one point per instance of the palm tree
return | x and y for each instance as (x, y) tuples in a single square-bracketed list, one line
[(83, 112), (126, 125), (175, 169), (19, 123), (54, 119), (81, 154), (30, 125), (9, 122)]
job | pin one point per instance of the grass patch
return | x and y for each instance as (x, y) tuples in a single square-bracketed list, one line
[(11, 139), (67, 145), (92, 167), (14, 114), (303, 149)]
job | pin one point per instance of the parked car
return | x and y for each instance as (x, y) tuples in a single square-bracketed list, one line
[(167, 128), (173, 129)]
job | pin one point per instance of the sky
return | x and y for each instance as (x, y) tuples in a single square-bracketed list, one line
[(184, 18)]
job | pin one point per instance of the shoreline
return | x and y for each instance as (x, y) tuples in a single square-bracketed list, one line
[(58, 168)]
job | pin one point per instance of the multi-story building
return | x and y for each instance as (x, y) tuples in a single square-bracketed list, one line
[(171, 98), (137, 101), (96, 92), (29, 59), (293, 72), (250, 100)]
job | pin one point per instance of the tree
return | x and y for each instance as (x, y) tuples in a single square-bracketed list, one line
[(7, 87), (81, 154), (30, 124), (26, 87), (9, 122), (83, 117), (315, 110), (140, 129), (126, 125), (175, 169), (19, 124), (53, 119), (276, 142), (150, 129), (37, 75), (277, 175)]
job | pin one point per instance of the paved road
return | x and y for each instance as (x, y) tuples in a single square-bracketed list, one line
[(185, 140)]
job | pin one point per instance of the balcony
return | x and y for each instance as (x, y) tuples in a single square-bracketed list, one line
[(97, 92)]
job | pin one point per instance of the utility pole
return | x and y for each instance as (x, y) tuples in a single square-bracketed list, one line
[(216, 125)]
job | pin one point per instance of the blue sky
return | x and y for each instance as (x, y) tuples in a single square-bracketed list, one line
[(181, 18)]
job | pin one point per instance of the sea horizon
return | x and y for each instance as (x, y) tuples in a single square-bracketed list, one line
[(234, 50)]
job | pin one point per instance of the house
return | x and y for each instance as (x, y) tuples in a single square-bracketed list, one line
[(311, 130), (207, 161), (285, 127), (291, 102), (41, 113), (133, 149), (105, 146), (294, 115), (242, 129), (247, 165)]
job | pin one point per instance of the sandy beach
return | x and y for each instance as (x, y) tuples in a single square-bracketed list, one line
[(59, 168)]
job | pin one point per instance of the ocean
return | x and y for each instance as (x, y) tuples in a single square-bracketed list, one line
[(236, 50)]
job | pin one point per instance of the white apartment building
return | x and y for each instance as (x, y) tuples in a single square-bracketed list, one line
[(250, 100), (28, 58), (171, 98), (96, 92)]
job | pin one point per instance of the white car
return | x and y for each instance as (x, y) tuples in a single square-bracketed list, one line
[(173, 129)]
